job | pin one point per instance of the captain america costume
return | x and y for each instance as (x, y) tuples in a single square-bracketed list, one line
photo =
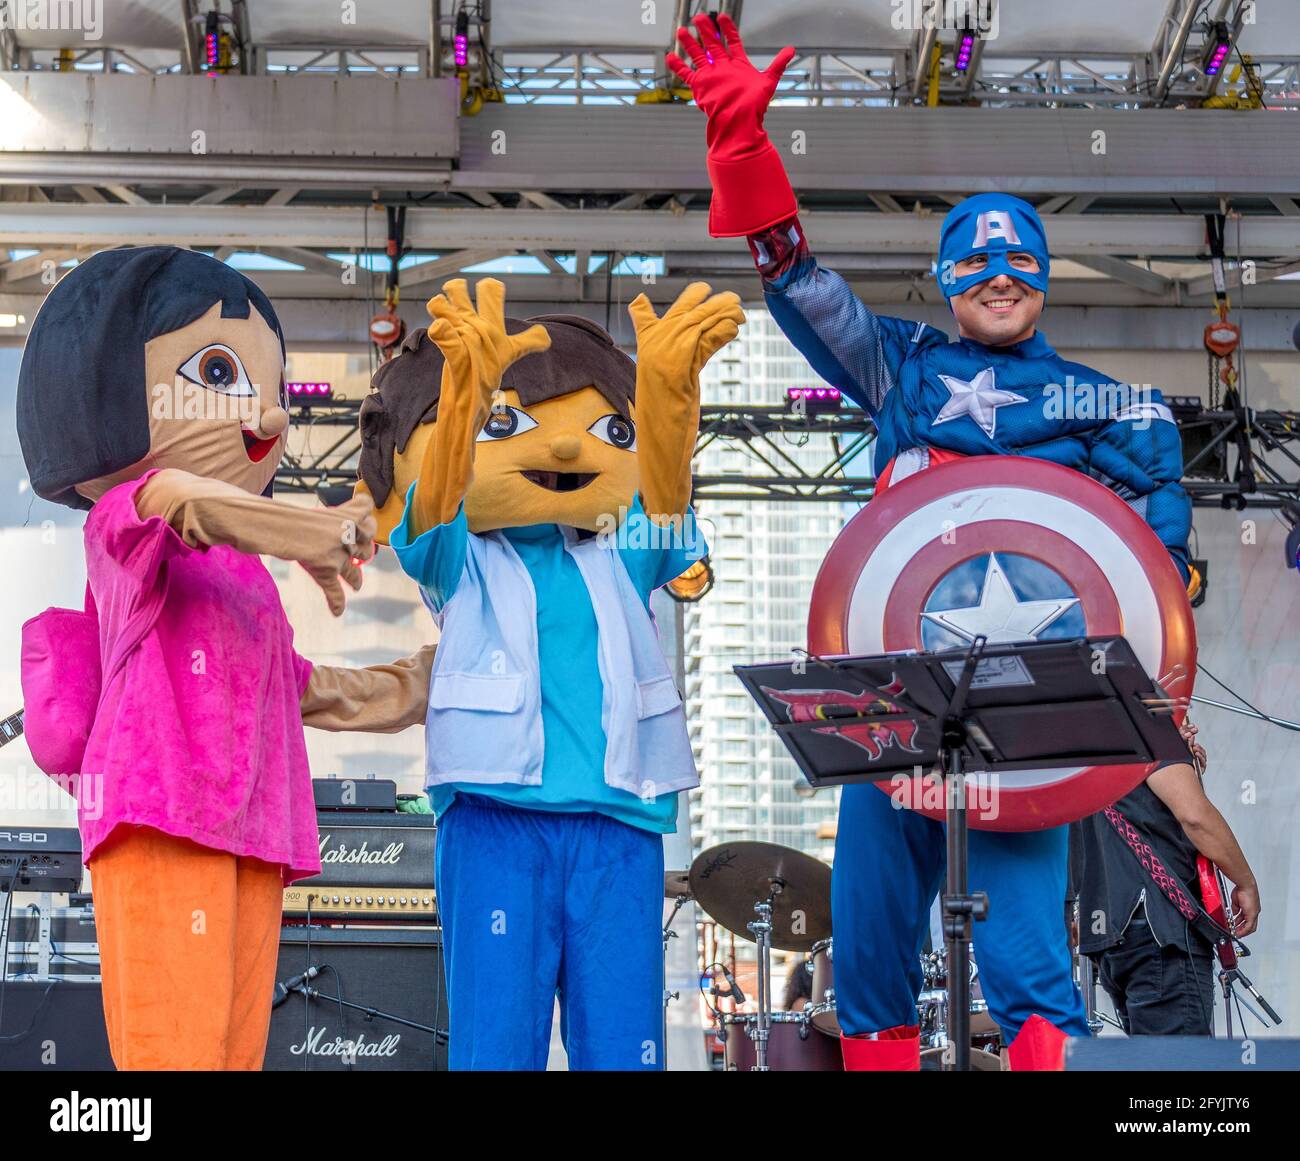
[(933, 400)]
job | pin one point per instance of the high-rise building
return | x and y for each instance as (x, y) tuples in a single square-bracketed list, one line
[(765, 556)]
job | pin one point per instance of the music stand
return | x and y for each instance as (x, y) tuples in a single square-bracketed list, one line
[(996, 708)]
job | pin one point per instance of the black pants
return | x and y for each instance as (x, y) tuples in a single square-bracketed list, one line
[(1159, 991)]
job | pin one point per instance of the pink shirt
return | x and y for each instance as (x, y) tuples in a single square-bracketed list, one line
[(200, 735)]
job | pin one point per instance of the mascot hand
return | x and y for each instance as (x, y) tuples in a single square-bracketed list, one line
[(732, 92), (670, 353), (328, 542), (331, 545), (672, 350), (476, 346)]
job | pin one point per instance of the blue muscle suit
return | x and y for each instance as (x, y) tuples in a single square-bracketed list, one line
[(928, 394)]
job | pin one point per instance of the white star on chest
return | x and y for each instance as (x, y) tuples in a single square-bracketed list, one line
[(979, 398)]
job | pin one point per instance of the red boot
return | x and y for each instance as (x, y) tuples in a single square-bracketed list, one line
[(893, 1050), (1039, 1046)]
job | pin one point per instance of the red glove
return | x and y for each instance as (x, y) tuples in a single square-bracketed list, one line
[(750, 189)]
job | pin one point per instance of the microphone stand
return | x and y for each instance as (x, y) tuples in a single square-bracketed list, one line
[(669, 996), (960, 905), (310, 993)]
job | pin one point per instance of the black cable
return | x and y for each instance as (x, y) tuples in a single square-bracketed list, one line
[(610, 257), (338, 999), (20, 865), (306, 967), (1252, 82), (15, 1037), (708, 968), (1266, 717), (1196, 979)]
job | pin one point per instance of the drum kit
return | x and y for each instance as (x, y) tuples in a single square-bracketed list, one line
[(779, 899)]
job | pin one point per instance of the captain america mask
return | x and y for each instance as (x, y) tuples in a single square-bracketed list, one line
[(996, 226)]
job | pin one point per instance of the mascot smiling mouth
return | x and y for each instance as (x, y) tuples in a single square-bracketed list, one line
[(255, 446), (560, 481)]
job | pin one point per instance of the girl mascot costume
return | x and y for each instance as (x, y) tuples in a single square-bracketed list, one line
[(151, 393)]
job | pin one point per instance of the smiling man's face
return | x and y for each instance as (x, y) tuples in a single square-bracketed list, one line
[(1002, 310)]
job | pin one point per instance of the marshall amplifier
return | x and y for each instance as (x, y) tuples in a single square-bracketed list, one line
[(373, 866), (389, 972)]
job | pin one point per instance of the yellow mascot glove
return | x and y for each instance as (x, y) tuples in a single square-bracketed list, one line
[(671, 352), (477, 351)]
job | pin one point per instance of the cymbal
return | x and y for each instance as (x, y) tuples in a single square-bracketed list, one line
[(677, 884), (727, 881)]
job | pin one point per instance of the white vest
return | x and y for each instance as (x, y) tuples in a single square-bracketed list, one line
[(485, 714)]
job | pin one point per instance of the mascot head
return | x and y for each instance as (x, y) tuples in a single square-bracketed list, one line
[(151, 357), (993, 267), (559, 448)]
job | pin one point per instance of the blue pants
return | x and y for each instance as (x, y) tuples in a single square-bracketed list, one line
[(890, 864), (538, 903)]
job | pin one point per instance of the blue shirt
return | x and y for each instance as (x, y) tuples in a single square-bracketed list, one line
[(573, 777)]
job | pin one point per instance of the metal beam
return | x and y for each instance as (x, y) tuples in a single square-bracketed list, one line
[(1145, 280), (84, 128), (34, 264), (445, 266), (1232, 277), (899, 151), (214, 197), (115, 135), (635, 231), (307, 259)]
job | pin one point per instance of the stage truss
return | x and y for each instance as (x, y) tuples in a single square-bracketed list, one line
[(1234, 459)]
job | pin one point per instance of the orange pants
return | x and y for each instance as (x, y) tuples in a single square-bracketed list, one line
[(188, 942)]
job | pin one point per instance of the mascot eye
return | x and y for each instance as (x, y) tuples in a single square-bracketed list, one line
[(218, 368), (505, 422), (615, 430)]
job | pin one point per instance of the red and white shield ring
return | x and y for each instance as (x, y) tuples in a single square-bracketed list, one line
[(1017, 549)]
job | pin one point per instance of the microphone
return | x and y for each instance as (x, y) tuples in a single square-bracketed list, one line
[(292, 984), (736, 993)]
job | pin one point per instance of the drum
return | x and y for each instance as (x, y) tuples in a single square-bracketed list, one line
[(933, 1001), (792, 1044), (980, 1061), (821, 1008)]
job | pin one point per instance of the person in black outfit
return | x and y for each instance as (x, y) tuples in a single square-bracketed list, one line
[(1156, 966)]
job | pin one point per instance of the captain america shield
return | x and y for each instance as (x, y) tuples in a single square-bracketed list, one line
[(1014, 549)]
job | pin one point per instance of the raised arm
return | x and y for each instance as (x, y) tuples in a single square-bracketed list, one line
[(848, 345), (671, 351), (845, 342), (477, 350)]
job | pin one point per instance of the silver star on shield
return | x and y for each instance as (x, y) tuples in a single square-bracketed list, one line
[(1001, 616), (979, 399)]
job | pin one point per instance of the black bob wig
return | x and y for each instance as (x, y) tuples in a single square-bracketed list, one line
[(83, 403)]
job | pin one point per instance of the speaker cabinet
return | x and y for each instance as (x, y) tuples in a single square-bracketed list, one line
[(392, 970)]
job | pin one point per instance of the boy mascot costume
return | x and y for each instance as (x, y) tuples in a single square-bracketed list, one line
[(516, 493), (990, 392), (151, 393)]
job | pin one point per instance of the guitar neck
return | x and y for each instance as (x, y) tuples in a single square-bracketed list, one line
[(11, 727)]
